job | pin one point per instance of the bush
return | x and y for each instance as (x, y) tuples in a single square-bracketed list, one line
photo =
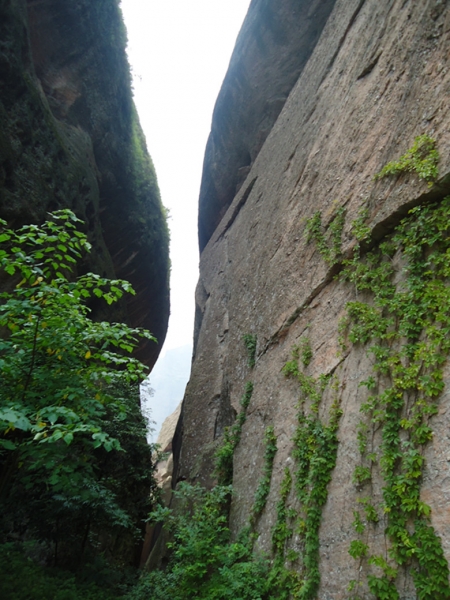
[(23, 579), (205, 563)]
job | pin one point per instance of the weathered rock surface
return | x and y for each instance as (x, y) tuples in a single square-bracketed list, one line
[(377, 77), (168, 430), (163, 476), (70, 138), (272, 49)]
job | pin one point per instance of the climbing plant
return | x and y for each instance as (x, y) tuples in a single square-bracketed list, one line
[(402, 318), (315, 451), (405, 327), (422, 158), (263, 488), (250, 344), (327, 240), (232, 436)]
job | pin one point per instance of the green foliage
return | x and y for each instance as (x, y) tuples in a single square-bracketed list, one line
[(328, 242), (303, 351), (358, 524), (361, 475), (369, 510), (422, 158), (264, 484), (311, 389), (250, 343), (431, 575), (232, 436), (362, 437), (205, 563), (69, 397), (281, 532), (407, 329), (315, 451), (22, 579), (382, 588), (366, 322), (358, 549), (360, 229)]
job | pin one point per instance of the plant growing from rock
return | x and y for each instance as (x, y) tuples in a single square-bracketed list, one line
[(250, 343), (422, 158), (232, 436), (263, 489), (405, 328), (328, 240)]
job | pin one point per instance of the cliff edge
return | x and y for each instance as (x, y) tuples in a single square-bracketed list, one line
[(70, 138)]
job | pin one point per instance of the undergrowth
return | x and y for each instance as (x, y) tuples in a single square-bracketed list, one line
[(205, 563), (22, 578)]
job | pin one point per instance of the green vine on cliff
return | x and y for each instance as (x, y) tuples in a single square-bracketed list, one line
[(286, 583), (328, 240), (303, 351), (282, 532), (406, 328), (232, 436), (422, 158), (250, 343), (315, 451), (263, 489)]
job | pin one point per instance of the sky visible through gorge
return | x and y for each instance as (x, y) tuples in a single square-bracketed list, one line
[(179, 52)]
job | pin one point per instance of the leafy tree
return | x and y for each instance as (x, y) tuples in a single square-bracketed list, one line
[(68, 394)]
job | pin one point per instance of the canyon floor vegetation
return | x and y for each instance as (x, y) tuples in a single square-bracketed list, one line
[(76, 473)]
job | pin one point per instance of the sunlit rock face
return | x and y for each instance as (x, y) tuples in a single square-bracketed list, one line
[(377, 76), (70, 138)]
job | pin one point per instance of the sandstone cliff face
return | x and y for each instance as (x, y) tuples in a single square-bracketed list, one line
[(274, 45), (377, 76), (70, 137)]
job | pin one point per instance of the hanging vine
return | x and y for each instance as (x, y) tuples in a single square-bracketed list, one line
[(405, 328)]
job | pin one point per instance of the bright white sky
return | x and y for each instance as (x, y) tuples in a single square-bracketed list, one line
[(179, 52)]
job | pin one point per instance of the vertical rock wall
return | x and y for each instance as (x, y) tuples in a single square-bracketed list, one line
[(273, 47), (377, 75), (70, 137)]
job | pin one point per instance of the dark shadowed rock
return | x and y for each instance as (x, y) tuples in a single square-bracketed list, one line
[(70, 138)]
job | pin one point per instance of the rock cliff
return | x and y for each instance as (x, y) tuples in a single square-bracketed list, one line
[(70, 138), (309, 260), (273, 47)]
